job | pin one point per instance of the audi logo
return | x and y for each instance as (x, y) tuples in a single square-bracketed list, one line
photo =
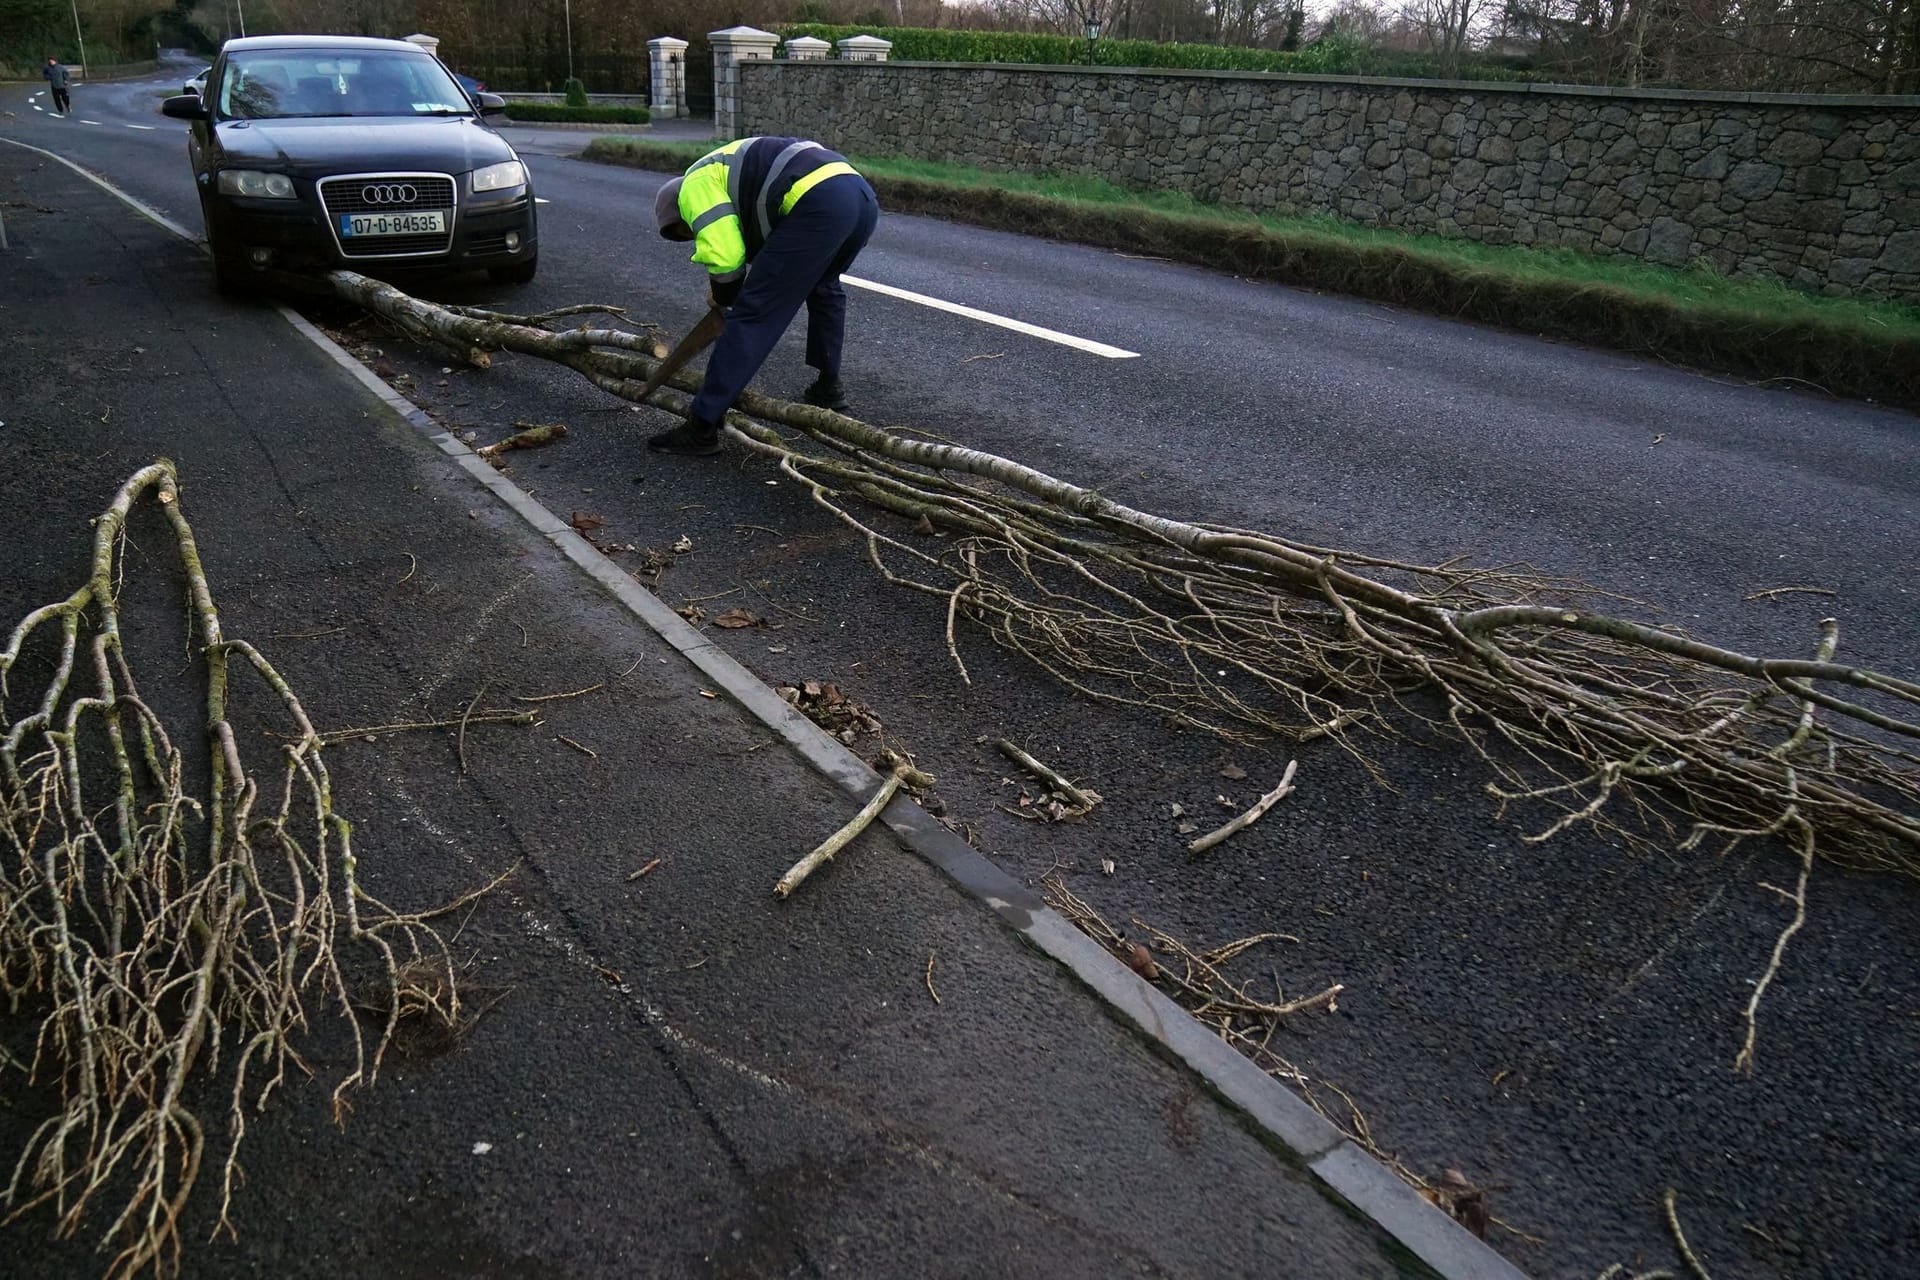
[(390, 193)]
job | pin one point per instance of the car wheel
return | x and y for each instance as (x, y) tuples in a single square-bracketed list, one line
[(518, 273), (234, 279), (231, 277)]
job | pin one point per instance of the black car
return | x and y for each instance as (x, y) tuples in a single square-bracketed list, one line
[(325, 151)]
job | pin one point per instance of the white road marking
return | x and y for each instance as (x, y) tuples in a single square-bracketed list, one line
[(89, 122), (143, 126), (987, 317), (541, 200), (104, 185), (38, 107)]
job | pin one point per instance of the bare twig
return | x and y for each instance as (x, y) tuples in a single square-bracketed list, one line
[(1771, 592), (556, 697), (1078, 797), (645, 871), (840, 839), (502, 716), (1687, 1255), (588, 752), (1251, 815), (460, 741), (930, 990)]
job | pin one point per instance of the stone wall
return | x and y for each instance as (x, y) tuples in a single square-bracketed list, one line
[(1823, 193)]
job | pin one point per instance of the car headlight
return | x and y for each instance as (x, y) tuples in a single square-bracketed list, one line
[(499, 177), (252, 182)]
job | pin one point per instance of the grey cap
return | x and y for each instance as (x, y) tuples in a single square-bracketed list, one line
[(666, 210)]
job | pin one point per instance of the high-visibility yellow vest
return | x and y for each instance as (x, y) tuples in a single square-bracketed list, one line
[(728, 197)]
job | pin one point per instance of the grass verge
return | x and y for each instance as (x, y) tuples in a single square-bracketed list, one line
[(1868, 350), (559, 112)]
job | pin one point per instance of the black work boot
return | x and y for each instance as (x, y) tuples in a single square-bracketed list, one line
[(827, 393), (693, 438)]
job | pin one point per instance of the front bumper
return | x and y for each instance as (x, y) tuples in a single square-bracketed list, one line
[(296, 234)]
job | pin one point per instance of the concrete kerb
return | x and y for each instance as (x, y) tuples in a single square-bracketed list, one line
[(1348, 1172)]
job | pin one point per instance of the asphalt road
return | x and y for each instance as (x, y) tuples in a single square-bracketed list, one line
[(1559, 1021), (676, 1075)]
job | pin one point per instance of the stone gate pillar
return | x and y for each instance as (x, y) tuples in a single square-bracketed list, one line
[(667, 77), (730, 48), (865, 49)]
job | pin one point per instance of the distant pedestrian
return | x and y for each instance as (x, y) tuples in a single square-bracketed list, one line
[(799, 214), (59, 77)]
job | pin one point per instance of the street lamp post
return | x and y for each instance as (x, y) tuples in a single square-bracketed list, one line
[(1093, 34), (79, 39), (569, 10)]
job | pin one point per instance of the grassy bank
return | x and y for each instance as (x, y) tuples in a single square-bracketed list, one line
[(1753, 328)]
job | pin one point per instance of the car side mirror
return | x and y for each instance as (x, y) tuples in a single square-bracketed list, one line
[(490, 104), (186, 106)]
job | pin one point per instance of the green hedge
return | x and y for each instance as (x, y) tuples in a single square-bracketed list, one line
[(1336, 55), (559, 111)]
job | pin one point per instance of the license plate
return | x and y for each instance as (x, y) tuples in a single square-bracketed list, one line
[(393, 224)]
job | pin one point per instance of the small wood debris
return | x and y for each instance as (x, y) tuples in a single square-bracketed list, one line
[(531, 435)]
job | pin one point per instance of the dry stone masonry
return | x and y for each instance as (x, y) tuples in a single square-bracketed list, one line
[(1820, 192)]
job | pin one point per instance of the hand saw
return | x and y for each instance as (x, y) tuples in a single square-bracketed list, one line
[(698, 339)]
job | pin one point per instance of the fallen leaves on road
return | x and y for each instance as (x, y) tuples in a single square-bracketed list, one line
[(584, 523), (823, 703), (1140, 960), (1457, 1196), (734, 619)]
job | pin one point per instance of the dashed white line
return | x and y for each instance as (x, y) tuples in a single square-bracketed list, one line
[(987, 317), (143, 126), (541, 200), (89, 122), (38, 107)]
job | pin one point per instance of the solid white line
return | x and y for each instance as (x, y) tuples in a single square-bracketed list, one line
[(987, 317), (104, 185)]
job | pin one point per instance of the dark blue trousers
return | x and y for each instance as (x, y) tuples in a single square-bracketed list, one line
[(801, 262)]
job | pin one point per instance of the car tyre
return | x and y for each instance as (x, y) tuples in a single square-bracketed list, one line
[(234, 279), (517, 273), (231, 278)]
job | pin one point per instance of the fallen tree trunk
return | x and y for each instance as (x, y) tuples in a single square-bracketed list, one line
[(1247, 634)]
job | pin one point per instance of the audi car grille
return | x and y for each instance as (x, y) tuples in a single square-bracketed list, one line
[(389, 193)]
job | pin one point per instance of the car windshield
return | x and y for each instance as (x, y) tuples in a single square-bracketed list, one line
[(282, 84)]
